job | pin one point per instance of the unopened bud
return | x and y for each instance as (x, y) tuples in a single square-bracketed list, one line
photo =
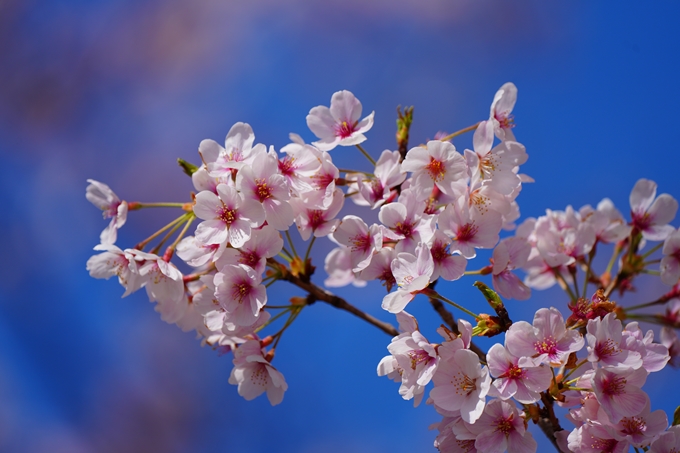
[(187, 167)]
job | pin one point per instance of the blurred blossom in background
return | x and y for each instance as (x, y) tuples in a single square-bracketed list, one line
[(118, 90)]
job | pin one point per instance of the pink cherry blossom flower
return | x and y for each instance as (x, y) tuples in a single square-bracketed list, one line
[(446, 265), (595, 439), (254, 375), (651, 214), (501, 109), (655, 356), (163, 281), (238, 150), (317, 221), (299, 165), (262, 183), (363, 241), (494, 167), (417, 359), (239, 291), (642, 429), (263, 243), (339, 267), (619, 393), (547, 340), (669, 442), (388, 174), (115, 262), (380, 268), (412, 274), (461, 384), (501, 427), (469, 228), (669, 338), (407, 222), (510, 254), (101, 195), (524, 383), (604, 344), (339, 124), (439, 164), (321, 184), (670, 263), (228, 217), (195, 253), (607, 222)]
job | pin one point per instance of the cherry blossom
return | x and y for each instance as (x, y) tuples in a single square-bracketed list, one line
[(263, 243), (254, 375), (363, 241), (650, 213), (238, 150), (524, 383), (670, 263), (468, 228), (101, 195), (501, 427), (510, 254), (114, 261), (228, 217), (320, 222), (239, 291), (438, 164), (619, 393), (412, 274), (339, 124), (501, 108)]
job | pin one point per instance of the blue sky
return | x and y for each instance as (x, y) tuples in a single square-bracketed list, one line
[(117, 90)]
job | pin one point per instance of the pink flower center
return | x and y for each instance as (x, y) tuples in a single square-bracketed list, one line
[(514, 372), (440, 252), (361, 242), (316, 218), (615, 386), (603, 445), (321, 181), (633, 425), (547, 346), (467, 232), (606, 348), (436, 169), (345, 129), (418, 357), (463, 384), (641, 220), (240, 290), (504, 425), (466, 446), (228, 215), (506, 120), (249, 258), (262, 190), (404, 228), (286, 166)]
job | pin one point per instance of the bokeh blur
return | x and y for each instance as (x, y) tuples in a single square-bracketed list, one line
[(117, 90)]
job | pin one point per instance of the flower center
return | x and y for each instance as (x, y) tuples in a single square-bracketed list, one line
[(615, 386), (228, 215), (345, 129), (467, 232), (634, 425), (405, 229), (240, 290), (418, 357), (606, 348), (316, 218), (286, 166), (262, 190), (360, 243), (547, 346), (504, 425), (464, 385), (436, 169), (249, 258)]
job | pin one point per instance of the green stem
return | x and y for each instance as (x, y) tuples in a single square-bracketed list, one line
[(267, 285), (563, 284), (612, 260), (652, 250), (272, 319), (460, 132), (368, 156), (309, 249), (645, 305), (578, 365), (436, 295), (142, 244), (650, 272), (292, 246), (159, 205), (285, 257), (477, 272), (589, 270), (294, 314), (647, 263), (156, 249), (190, 220)]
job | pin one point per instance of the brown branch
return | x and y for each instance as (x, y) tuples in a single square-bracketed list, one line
[(547, 421), (319, 294)]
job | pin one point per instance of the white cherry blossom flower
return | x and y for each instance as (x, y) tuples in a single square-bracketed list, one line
[(438, 164), (651, 214), (101, 195), (254, 375), (339, 124)]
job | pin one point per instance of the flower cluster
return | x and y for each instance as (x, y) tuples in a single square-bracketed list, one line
[(436, 207)]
